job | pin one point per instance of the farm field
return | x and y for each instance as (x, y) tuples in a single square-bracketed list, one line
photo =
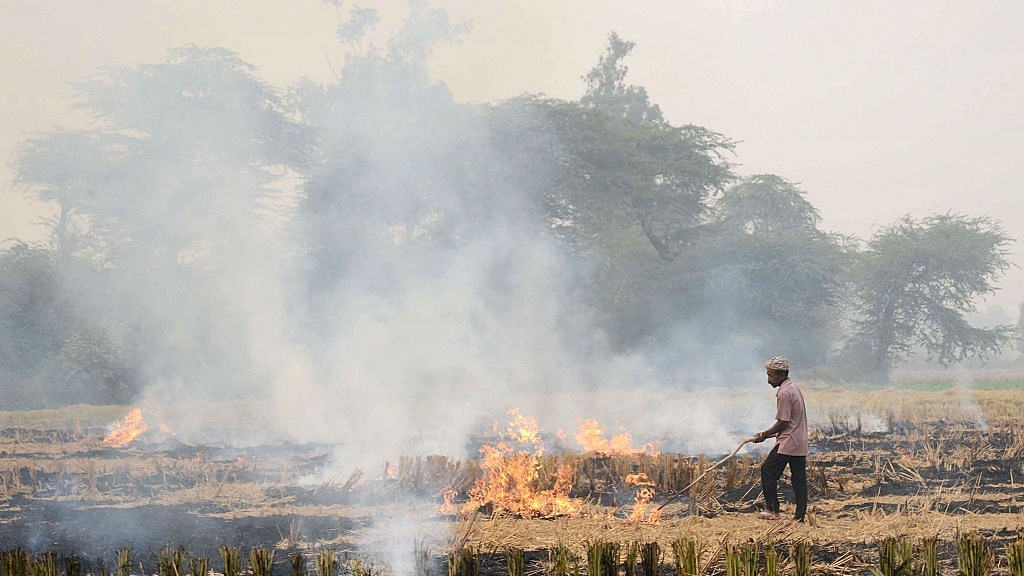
[(945, 462)]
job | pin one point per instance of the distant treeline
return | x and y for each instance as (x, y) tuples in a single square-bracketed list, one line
[(206, 209)]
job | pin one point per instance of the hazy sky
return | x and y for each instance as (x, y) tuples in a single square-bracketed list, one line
[(877, 108)]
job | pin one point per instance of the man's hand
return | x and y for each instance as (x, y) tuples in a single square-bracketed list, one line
[(758, 438)]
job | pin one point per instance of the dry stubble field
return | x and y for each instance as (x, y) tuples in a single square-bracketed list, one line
[(948, 461)]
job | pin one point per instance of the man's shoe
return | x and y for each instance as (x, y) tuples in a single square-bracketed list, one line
[(768, 515)]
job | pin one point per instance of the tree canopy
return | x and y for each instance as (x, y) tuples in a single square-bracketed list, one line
[(607, 89), (914, 284)]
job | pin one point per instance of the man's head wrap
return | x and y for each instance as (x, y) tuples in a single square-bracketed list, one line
[(779, 364)]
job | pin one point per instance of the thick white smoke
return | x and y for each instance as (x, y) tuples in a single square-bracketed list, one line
[(401, 293)]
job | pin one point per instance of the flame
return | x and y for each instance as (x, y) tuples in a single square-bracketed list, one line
[(591, 437), (127, 430), (449, 506), (642, 499), (525, 430), (509, 483), (511, 473)]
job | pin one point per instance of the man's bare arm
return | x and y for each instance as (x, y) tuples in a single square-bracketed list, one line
[(779, 426)]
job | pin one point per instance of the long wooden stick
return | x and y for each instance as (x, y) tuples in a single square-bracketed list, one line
[(705, 473)]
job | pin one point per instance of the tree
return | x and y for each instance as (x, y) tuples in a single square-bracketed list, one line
[(70, 168), (169, 196), (1020, 328), (33, 317), (625, 199), (772, 271), (914, 284), (607, 89), (761, 277), (633, 169), (402, 174), (620, 187), (765, 203), (626, 192), (49, 354)]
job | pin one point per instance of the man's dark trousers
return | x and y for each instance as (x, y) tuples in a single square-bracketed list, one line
[(771, 471)]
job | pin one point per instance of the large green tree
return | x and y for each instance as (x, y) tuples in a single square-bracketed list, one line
[(771, 272), (676, 242), (620, 188), (913, 286), (626, 199), (632, 169)]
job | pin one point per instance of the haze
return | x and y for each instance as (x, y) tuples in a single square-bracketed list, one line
[(876, 109)]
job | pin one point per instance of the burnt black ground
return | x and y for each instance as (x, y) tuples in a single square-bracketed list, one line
[(97, 533)]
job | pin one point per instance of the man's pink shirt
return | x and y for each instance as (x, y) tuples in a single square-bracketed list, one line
[(789, 406)]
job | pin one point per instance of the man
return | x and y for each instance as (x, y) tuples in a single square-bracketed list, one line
[(790, 432)]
